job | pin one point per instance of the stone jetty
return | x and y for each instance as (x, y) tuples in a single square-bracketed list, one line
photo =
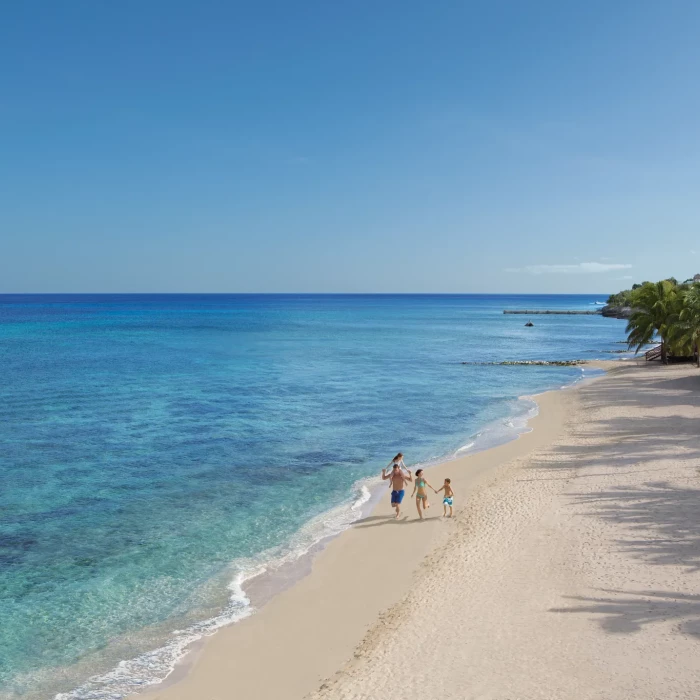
[(534, 363), (553, 313)]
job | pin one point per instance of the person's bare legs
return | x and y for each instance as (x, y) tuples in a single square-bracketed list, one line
[(444, 510), (418, 504), (397, 507), (450, 511)]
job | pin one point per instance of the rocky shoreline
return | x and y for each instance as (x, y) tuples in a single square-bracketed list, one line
[(610, 311), (534, 363)]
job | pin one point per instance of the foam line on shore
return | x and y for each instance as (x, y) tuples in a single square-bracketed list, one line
[(153, 667)]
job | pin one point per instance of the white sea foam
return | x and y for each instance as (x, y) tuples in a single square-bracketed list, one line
[(133, 675), (501, 430), (465, 448)]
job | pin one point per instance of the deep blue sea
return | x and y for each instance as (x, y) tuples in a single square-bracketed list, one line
[(156, 450)]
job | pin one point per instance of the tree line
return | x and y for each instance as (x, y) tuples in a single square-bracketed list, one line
[(667, 312)]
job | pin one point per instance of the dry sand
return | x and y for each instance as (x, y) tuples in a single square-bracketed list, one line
[(571, 570)]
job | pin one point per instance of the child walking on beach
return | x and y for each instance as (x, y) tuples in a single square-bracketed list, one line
[(421, 495), (447, 500), (398, 460)]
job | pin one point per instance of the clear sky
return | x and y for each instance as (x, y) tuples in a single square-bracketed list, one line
[(384, 146)]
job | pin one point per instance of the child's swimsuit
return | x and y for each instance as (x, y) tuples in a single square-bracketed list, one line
[(447, 501)]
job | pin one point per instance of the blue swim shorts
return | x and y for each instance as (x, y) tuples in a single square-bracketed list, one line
[(447, 500), (397, 497)]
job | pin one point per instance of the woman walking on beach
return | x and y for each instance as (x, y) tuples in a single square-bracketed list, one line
[(421, 494)]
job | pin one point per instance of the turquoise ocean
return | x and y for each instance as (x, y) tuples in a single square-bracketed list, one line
[(156, 451)]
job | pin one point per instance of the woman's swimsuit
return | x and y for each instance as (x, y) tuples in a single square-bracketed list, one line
[(420, 484)]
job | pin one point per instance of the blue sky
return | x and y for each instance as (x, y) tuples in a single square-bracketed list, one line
[(348, 147)]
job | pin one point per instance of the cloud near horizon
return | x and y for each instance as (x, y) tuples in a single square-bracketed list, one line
[(577, 269)]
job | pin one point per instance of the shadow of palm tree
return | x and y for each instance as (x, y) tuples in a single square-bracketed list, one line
[(660, 518), (629, 440), (625, 612), (666, 516)]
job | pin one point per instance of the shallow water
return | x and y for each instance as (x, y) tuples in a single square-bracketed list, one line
[(156, 450)]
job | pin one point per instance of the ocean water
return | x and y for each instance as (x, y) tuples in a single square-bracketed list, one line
[(156, 451)]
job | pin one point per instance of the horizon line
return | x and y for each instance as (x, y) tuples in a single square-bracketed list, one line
[(570, 294)]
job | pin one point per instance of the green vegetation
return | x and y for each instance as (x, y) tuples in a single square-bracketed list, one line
[(620, 299), (655, 306), (685, 329), (668, 311)]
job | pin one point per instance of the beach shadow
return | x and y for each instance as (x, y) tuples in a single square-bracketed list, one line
[(659, 518), (667, 391), (371, 518), (592, 476), (663, 517), (628, 442), (626, 612), (391, 520), (667, 518), (634, 441)]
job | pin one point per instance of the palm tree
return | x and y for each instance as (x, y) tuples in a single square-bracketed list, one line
[(685, 328), (655, 306)]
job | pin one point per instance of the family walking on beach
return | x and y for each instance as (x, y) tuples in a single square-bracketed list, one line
[(400, 475)]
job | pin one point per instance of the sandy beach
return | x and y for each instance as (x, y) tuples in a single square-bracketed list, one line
[(571, 570), (252, 254)]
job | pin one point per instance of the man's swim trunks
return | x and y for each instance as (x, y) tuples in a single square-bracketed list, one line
[(397, 497)]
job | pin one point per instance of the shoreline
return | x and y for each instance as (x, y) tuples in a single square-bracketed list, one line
[(324, 572), (261, 588), (172, 484), (574, 574), (252, 591)]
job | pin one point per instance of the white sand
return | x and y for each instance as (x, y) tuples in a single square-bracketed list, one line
[(571, 570), (576, 576)]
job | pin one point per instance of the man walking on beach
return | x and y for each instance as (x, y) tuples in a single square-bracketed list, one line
[(398, 484)]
